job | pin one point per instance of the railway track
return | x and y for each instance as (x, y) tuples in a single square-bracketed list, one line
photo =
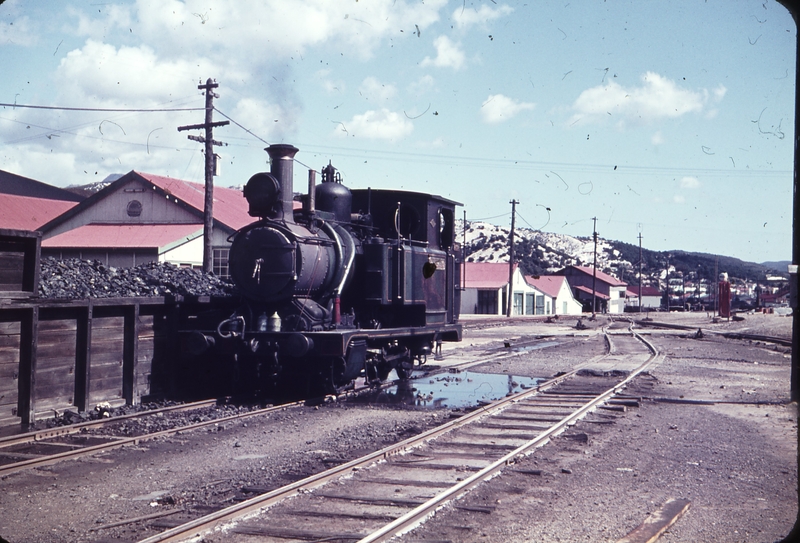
[(53, 445), (786, 342), (44, 447), (394, 489)]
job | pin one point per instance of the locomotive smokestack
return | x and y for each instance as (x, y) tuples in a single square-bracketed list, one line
[(282, 159)]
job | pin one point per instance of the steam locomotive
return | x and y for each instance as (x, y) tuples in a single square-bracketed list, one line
[(353, 283)]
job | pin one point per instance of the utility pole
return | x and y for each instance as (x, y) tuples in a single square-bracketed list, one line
[(511, 259), (594, 272), (667, 285), (208, 209), (464, 254), (640, 272)]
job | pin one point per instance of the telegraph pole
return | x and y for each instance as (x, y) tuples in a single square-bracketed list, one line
[(208, 209), (464, 254), (640, 272), (594, 272), (511, 259)]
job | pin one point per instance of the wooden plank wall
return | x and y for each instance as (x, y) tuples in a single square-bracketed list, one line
[(55, 357), (9, 368), (11, 269), (107, 353), (56, 361)]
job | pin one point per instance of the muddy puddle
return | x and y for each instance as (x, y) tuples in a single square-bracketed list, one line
[(451, 390)]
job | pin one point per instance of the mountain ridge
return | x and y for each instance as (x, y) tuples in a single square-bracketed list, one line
[(542, 253)]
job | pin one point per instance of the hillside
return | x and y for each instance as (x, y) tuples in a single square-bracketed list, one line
[(544, 252)]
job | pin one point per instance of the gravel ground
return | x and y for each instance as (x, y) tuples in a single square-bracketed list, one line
[(736, 462), (71, 501)]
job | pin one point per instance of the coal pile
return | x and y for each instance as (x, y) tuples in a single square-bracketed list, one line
[(78, 279)]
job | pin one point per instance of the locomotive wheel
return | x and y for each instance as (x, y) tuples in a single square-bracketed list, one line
[(404, 369)]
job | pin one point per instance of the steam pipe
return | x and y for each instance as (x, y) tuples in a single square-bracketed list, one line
[(312, 184)]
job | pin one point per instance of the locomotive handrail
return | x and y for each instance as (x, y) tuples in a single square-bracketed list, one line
[(232, 333)]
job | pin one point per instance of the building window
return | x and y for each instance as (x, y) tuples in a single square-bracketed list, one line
[(529, 303), (220, 264), (134, 208), (540, 305)]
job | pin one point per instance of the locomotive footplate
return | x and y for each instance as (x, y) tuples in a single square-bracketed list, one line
[(324, 343)]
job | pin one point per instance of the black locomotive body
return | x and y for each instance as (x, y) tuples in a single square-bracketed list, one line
[(354, 283)]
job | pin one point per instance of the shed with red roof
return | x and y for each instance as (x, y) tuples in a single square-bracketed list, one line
[(26, 204), (485, 291), (556, 293), (651, 297), (143, 217), (587, 284)]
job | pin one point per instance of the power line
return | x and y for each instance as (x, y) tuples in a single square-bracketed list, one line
[(489, 218), (119, 110), (259, 138)]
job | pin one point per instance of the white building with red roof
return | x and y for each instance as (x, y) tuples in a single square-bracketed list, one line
[(142, 217), (651, 297), (587, 284), (557, 295), (485, 291)]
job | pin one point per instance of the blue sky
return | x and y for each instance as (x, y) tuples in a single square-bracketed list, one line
[(669, 118)]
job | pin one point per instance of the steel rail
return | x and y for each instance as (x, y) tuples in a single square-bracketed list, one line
[(207, 523), (420, 513), (121, 442), (786, 342), (38, 435)]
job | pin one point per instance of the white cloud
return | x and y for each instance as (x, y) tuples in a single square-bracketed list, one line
[(679, 199), (270, 121), (657, 98), (373, 90), (381, 125), (277, 27), (498, 108), (448, 55), (466, 18), (128, 76), (657, 138), (423, 85), (115, 18), (20, 31), (331, 86), (690, 182)]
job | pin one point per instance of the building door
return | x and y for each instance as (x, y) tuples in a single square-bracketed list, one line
[(529, 303), (518, 303), (487, 302)]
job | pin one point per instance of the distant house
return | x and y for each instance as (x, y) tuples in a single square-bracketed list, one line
[(26, 204), (651, 297), (608, 293), (557, 295), (142, 217), (486, 291)]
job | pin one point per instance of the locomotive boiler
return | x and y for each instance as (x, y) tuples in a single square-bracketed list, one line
[(342, 284)]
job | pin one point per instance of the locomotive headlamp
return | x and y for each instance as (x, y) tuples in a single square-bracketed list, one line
[(262, 192)]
